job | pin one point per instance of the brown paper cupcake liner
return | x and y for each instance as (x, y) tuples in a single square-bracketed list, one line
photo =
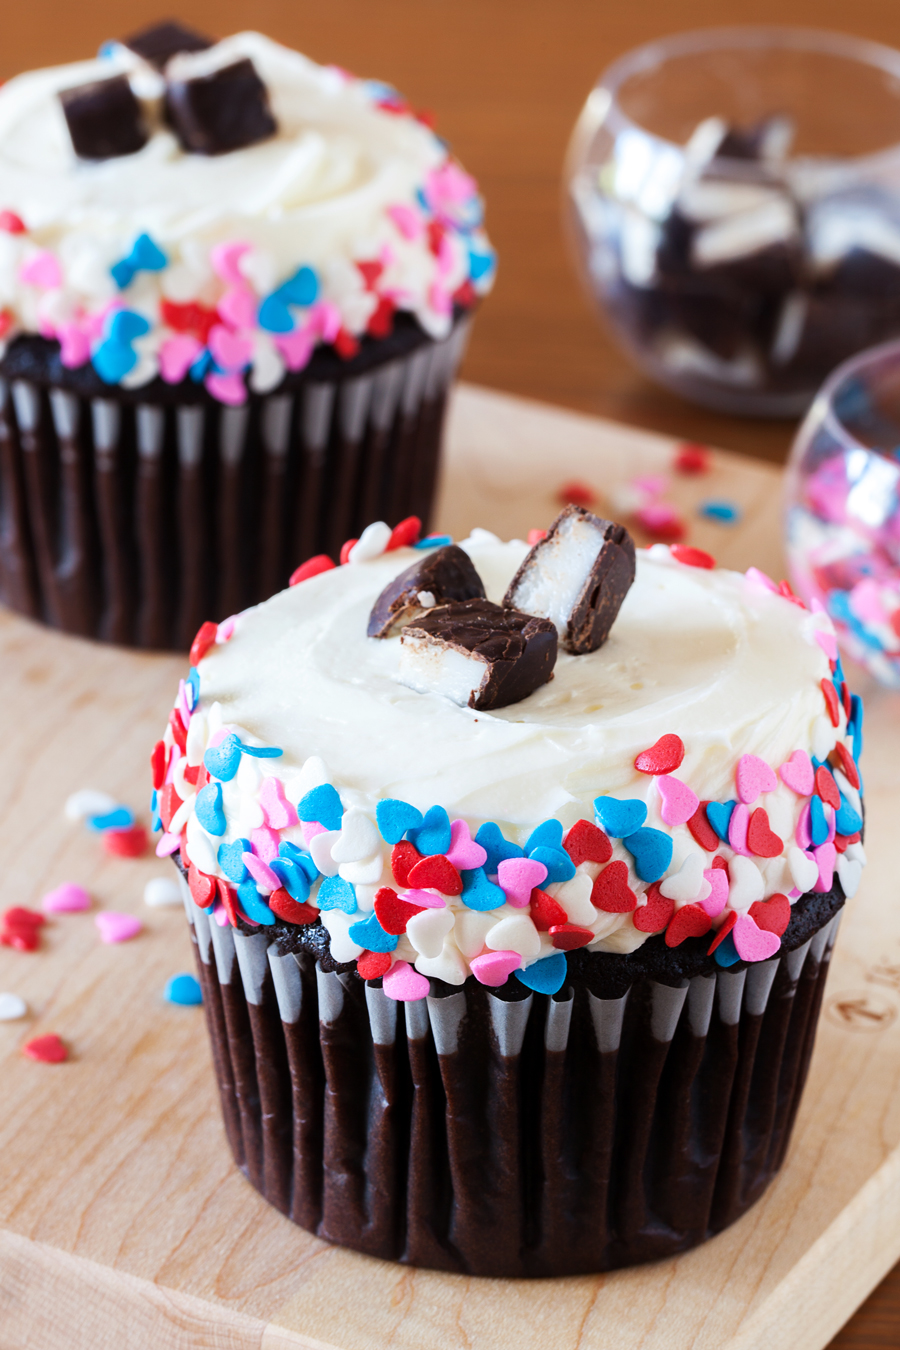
[(133, 516), (505, 1133)]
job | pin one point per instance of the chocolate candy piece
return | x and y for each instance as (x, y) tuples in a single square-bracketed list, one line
[(104, 119), (221, 111), (442, 576), (159, 43), (577, 577), (477, 653)]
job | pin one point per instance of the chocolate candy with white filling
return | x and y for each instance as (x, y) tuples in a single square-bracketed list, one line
[(478, 654), (223, 110), (439, 578), (104, 119), (159, 43), (577, 577)]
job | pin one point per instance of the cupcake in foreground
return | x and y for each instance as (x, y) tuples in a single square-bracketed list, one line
[(514, 876), (234, 289)]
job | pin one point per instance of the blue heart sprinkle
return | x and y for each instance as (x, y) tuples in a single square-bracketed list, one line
[(292, 877), (497, 848), (423, 201), (200, 366), (122, 273), (816, 763), (434, 541), (113, 360), (619, 818), (222, 761), (818, 825), (369, 933), (652, 853), (322, 805), (146, 256), (546, 976), (480, 265), (230, 858), (336, 893), (856, 724), (478, 892), (847, 821), (298, 855), (547, 835), (395, 817), (274, 315), (727, 953), (208, 809), (119, 819), (719, 816), (300, 289), (192, 683), (156, 822), (559, 865), (124, 325), (253, 906), (183, 989), (261, 751), (154, 799), (726, 513), (433, 835), (839, 675)]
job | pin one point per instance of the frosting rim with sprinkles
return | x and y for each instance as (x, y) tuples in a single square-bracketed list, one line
[(294, 685)]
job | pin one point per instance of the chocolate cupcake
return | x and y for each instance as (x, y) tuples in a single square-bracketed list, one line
[(234, 289), (519, 986)]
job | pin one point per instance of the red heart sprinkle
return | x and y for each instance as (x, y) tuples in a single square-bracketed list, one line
[(534, 537), (10, 223), (158, 764), (22, 939), (345, 550), (169, 802), (393, 913), (131, 843), (546, 913), (773, 914), (701, 829), (178, 729), (827, 788), (692, 557), (46, 1049), (655, 915), (404, 857), (371, 965), (587, 843), (404, 534), (845, 699), (575, 493), (840, 843), (202, 887), (438, 873), (611, 891), (719, 861), (663, 757), (228, 896), (192, 773), (692, 458), (20, 917), (689, 921), (311, 568), (730, 920), (183, 849), (568, 936), (282, 903), (831, 701), (846, 764), (206, 636), (761, 840)]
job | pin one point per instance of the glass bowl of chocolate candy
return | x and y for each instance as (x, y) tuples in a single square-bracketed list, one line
[(842, 526), (733, 196)]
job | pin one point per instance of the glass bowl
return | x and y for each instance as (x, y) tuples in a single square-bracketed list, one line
[(733, 196), (843, 508)]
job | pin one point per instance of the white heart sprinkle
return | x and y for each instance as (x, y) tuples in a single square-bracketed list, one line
[(12, 1007), (88, 802), (688, 883), (804, 869), (515, 934), (359, 838), (201, 849), (365, 873), (747, 885), (575, 897), (448, 966), (823, 737), (183, 814), (162, 893), (313, 774), (472, 925), (849, 872), (857, 853), (343, 948), (365, 897), (426, 931), (320, 847), (371, 543), (249, 775), (195, 744)]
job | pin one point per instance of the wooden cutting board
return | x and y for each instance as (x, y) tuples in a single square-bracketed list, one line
[(123, 1223)]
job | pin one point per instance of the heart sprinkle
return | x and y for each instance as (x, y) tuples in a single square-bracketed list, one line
[(47, 1049), (663, 757), (68, 899), (116, 927)]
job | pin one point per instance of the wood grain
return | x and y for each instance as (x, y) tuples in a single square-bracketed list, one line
[(124, 1224)]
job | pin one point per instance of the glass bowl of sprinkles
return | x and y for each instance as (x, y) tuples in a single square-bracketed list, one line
[(843, 508), (733, 198)]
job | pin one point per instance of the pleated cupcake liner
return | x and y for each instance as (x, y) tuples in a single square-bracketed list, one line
[(501, 1132), (135, 521)]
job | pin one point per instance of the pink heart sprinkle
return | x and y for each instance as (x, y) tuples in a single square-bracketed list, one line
[(167, 845), (752, 942), (220, 914), (74, 345), (225, 259), (326, 319), (66, 899), (296, 348), (828, 643), (866, 603), (261, 874), (829, 817), (278, 811), (42, 270), (753, 777), (802, 834), (177, 355), (226, 628), (265, 843), (826, 856), (404, 983), (408, 221), (517, 878), (657, 515), (495, 968), (237, 307), (228, 389), (797, 774), (717, 899), (678, 801), (229, 350), (310, 828), (116, 927), (737, 830), (427, 899), (463, 852), (759, 581)]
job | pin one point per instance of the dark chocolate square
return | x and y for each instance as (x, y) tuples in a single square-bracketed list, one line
[(162, 41), (104, 119), (223, 111)]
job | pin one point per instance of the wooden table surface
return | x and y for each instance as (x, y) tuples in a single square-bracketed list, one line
[(506, 79)]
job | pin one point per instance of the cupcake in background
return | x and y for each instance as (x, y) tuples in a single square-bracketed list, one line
[(234, 289)]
